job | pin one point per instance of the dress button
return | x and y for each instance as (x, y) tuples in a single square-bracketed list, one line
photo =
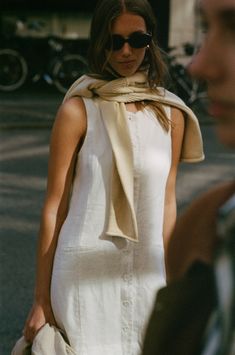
[(127, 277), (126, 303), (125, 329)]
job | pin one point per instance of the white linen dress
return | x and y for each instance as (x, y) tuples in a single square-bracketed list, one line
[(103, 288)]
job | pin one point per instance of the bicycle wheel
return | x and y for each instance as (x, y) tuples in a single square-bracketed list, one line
[(67, 69), (13, 70)]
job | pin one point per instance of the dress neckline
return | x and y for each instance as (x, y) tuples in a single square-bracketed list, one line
[(134, 113)]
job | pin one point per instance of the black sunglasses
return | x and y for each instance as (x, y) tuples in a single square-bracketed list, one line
[(135, 40)]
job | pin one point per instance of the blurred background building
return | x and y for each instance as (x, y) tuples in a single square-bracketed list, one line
[(182, 22), (71, 19), (48, 39)]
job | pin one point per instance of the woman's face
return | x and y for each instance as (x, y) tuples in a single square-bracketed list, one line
[(127, 60)]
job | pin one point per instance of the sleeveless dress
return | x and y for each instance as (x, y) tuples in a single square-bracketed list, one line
[(103, 288)]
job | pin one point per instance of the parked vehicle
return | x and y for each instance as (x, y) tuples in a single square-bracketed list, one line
[(56, 60)]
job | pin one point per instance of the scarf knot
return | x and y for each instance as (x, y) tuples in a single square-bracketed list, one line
[(114, 94)]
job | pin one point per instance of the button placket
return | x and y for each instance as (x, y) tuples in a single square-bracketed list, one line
[(127, 303), (126, 298)]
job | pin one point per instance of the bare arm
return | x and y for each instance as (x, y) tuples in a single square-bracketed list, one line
[(170, 198), (67, 136)]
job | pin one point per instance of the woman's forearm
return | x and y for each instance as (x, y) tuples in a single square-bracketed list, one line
[(168, 226), (169, 221), (51, 223)]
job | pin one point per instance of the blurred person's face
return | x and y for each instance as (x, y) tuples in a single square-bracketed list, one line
[(215, 63)]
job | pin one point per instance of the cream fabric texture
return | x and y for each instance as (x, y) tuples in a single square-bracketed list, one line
[(48, 341), (103, 287), (114, 94)]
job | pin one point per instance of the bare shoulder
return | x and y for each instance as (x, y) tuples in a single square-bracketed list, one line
[(73, 109), (177, 116), (72, 116), (177, 133)]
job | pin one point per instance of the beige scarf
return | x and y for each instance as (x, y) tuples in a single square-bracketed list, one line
[(114, 94)]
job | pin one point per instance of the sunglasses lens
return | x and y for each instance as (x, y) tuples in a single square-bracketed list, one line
[(118, 42), (136, 40), (115, 43), (139, 40)]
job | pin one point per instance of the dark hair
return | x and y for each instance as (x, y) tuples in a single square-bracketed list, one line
[(105, 13)]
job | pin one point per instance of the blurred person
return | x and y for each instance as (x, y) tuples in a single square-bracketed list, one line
[(194, 314), (214, 63), (110, 205)]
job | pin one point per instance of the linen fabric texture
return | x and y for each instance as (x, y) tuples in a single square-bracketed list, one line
[(103, 284), (103, 287), (48, 341), (114, 94)]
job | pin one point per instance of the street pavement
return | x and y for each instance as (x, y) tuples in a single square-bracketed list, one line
[(26, 118), (31, 107)]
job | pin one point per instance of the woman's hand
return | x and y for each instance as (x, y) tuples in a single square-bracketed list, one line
[(38, 316)]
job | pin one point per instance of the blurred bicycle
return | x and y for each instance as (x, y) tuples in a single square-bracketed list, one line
[(190, 90), (30, 59)]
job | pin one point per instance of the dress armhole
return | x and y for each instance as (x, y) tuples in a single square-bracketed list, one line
[(167, 111)]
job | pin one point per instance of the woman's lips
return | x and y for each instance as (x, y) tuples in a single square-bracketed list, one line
[(127, 63)]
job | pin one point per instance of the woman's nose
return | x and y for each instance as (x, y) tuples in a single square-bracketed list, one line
[(126, 49)]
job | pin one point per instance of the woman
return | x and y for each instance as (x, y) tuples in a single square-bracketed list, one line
[(110, 203)]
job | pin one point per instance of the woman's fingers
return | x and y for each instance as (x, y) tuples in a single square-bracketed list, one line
[(37, 318), (30, 330)]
